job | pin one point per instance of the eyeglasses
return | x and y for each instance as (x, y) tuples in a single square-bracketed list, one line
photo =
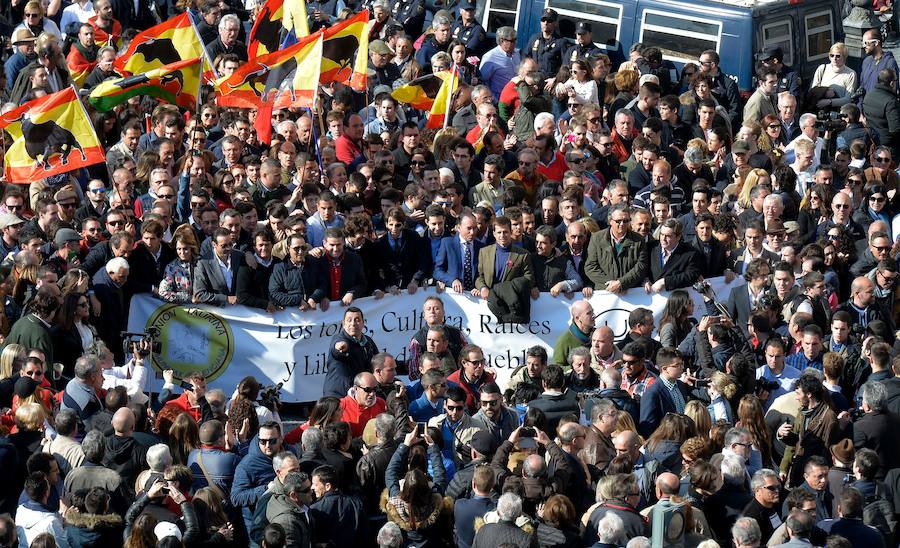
[(888, 279), (15, 207), (619, 221), (595, 120), (489, 403), (631, 362), (576, 161), (38, 373), (169, 196), (774, 126), (835, 55), (772, 488), (97, 190), (748, 445), (269, 441), (882, 159), (32, 15), (574, 105), (705, 63), (855, 181), (116, 223), (368, 389), (878, 199), (476, 362), (884, 248), (417, 163), (455, 407), (521, 163), (841, 206)]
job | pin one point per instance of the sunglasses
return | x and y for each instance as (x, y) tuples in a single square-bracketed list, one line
[(594, 120), (455, 407), (490, 403), (774, 126), (877, 199), (269, 441), (166, 196), (577, 161), (368, 389), (882, 159), (115, 223), (835, 55), (15, 207), (97, 190), (417, 163), (842, 206)]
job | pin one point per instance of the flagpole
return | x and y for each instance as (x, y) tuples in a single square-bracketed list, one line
[(315, 138), (202, 47)]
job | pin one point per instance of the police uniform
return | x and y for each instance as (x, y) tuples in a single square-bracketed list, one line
[(410, 14), (548, 52), (789, 80), (579, 51), (473, 36)]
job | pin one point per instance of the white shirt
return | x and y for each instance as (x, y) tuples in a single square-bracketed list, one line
[(226, 270), (76, 14), (134, 382)]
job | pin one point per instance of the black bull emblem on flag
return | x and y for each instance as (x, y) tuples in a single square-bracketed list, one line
[(159, 49), (340, 51), (45, 139)]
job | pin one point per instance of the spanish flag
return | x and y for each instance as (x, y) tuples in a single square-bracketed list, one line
[(342, 42), (441, 107), (286, 78), (178, 84), (80, 65), (103, 38), (169, 42), (276, 19), (421, 92), (51, 135)]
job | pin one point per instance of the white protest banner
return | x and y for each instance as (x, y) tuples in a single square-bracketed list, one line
[(290, 347)]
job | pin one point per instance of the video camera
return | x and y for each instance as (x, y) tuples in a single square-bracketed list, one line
[(827, 120), (148, 342), (270, 396)]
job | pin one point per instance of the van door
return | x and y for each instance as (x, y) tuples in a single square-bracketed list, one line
[(606, 20)]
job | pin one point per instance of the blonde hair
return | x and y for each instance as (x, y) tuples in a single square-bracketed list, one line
[(30, 416), (8, 359), (723, 385), (751, 179), (841, 48), (698, 413)]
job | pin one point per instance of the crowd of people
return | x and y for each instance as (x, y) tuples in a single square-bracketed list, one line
[(767, 418)]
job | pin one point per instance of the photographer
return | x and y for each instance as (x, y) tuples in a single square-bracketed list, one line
[(855, 129), (875, 429), (133, 375)]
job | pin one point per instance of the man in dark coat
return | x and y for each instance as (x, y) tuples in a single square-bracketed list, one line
[(882, 109), (505, 531), (667, 395), (288, 508), (108, 284), (877, 429), (617, 258), (350, 353), (673, 263), (340, 519)]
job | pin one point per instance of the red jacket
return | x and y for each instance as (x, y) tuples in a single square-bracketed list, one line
[(473, 391), (182, 403), (346, 150), (357, 417)]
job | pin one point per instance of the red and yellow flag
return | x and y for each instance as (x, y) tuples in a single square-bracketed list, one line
[(79, 67), (178, 84), (286, 78), (51, 135), (421, 92), (104, 38), (274, 17), (345, 53), (169, 42), (437, 118)]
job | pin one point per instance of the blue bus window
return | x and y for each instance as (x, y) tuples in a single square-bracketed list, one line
[(605, 18), (500, 13), (780, 34), (819, 35), (679, 38)]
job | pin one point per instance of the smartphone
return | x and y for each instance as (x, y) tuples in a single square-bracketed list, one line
[(421, 428), (527, 432)]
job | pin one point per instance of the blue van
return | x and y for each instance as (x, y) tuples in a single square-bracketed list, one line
[(737, 29)]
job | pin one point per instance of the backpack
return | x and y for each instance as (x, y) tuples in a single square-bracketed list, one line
[(878, 513)]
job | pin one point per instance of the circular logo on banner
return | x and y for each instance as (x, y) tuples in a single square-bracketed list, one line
[(193, 340)]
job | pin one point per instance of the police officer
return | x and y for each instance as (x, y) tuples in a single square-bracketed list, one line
[(584, 47), (547, 46), (788, 79), (410, 14), (468, 31)]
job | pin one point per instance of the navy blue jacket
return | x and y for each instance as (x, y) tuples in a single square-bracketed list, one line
[(464, 513), (655, 403), (291, 286), (343, 366), (449, 263), (251, 479), (340, 519)]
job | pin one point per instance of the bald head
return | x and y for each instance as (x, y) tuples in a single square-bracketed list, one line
[(123, 422), (628, 438), (668, 484), (861, 284), (583, 316), (877, 226), (605, 331)]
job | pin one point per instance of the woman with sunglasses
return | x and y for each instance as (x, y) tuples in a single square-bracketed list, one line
[(222, 188), (71, 333), (580, 85), (772, 137), (874, 206), (840, 79)]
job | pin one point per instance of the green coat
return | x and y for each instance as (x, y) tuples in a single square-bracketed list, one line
[(603, 264), (564, 344), (31, 332)]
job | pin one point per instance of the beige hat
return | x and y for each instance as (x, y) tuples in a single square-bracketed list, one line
[(23, 36), (8, 219), (378, 46)]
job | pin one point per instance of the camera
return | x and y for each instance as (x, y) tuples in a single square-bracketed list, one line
[(527, 432), (855, 413), (827, 120), (148, 339), (702, 287), (270, 396)]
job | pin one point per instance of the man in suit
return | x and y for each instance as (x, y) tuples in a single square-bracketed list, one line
[(215, 281), (344, 267), (753, 238), (667, 395), (405, 258), (501, 262), (709, 249), (743, 299), (466, 510), (134, 15), (673, 263), (616, 257), (457, 259)]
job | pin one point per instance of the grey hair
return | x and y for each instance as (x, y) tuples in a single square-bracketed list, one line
[(439, 21), (505, 33), (733, 470), (159, 457), (774, 198), (610, 529), (389, 536), (311, 440), (611, 378), (384, 426), (381, 4), (66, 422), (534, 466), (94, 446), (441, 58), (760, 477), (85, 367), (581, 351), (279, 460), (287, 124), (230, 18), (601, 407), (806, 118), (541, 118), (216, 403), (509, 506), (736, 434), (638, 542), (875, 396), (480, 89), (104, 49), (746, 532), (116, 264)]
